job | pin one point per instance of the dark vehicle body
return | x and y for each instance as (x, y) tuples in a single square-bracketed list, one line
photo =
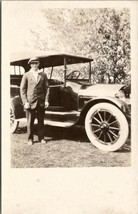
[(75, 100)]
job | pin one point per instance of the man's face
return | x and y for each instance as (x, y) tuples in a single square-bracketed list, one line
[(35, 65)]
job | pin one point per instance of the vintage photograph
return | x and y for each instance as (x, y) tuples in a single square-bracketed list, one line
[(69, 132), (70, 84)]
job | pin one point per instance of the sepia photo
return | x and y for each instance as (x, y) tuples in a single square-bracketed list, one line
[(69, 90), (87, 62)]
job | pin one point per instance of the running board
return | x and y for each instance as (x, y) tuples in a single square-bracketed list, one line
[(58, 124), (62, 116), (59, 119), (50, 123), (63, 112)]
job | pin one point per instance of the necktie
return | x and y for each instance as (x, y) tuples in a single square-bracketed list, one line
[(37, 77)]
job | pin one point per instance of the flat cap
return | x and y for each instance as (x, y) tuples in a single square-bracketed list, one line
[(33, 59)]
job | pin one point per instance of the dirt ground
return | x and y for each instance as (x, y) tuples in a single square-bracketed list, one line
[(66, 147)]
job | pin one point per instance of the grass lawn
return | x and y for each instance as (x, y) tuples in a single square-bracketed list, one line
[(65, 148)]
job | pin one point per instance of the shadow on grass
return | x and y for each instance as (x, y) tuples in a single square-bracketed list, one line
[(125, 148), (72, 133), (77, 134), (21, 130)]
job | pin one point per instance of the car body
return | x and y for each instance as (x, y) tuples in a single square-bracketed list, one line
[(103, 109)]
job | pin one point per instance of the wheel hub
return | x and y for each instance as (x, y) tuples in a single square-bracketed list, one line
[(104, 127)]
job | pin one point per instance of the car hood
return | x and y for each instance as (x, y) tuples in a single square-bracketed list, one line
[(100, 90)]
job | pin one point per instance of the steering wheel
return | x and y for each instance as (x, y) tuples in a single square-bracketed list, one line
[(74, 74)]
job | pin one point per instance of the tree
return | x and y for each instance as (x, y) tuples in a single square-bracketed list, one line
[(102, 34)]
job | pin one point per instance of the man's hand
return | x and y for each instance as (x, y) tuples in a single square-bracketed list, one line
[(27, 105), (46, 104)]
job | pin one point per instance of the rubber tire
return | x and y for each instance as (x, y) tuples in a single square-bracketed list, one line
[(15, 125), (124, 128)]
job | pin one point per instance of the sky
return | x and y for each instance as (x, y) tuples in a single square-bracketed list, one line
[(21, 17)]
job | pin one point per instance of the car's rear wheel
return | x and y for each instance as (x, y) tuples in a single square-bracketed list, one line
[(106, 127), (13, 122)]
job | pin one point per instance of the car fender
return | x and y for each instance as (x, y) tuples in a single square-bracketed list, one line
[(116, 102), (17, 107)]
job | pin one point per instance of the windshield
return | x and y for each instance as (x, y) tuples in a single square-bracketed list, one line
[(78, 71), (73, 72), (55, 73)]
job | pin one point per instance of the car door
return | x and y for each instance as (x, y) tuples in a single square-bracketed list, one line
[(55, 97)]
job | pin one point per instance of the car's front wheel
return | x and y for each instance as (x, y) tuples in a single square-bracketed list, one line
[(13, 122), (106, 127)]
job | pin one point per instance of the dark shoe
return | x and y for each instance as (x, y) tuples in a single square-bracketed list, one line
[(43, 141), (30, 142)]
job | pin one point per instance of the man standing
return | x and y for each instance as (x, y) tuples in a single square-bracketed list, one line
[(34, 94)]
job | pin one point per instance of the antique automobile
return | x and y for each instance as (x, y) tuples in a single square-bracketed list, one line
[(103, 109)]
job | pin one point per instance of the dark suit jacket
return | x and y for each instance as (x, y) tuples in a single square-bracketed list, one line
[(32, 91)]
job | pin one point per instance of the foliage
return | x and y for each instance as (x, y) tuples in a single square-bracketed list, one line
[(102, 34)]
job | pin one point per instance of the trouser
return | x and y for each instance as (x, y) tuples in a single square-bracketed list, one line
[(31, 114)]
